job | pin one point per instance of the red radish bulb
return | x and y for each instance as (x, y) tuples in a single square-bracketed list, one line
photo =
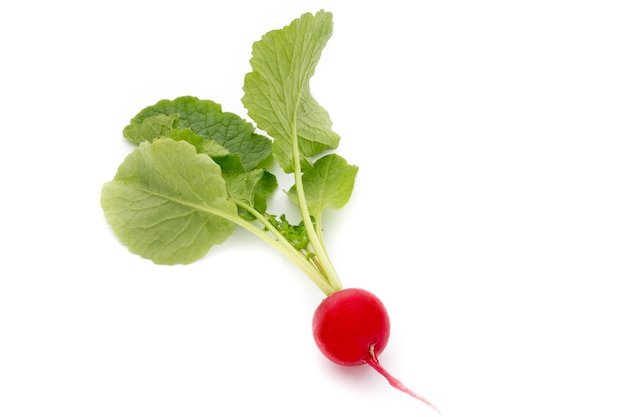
[(351, 327)]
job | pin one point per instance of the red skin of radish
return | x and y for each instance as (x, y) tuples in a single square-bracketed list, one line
[(351, 327)]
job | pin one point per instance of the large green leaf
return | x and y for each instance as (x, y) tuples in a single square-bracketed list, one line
[(328, 184), (277, 93), (205, 118), (168, 203)]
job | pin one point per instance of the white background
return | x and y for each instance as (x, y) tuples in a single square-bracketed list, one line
[(489, 213)]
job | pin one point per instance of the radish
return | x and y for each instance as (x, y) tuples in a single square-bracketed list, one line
[(198, 172), (351, 327)]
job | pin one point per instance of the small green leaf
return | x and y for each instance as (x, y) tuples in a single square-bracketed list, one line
[(241, 185), (251, 188), (206, 146), (295, 234), (328, 184), (213, 149), (277, 94), (206, 118), (264, 189), (168, 203), (151, 128), (166, 126)]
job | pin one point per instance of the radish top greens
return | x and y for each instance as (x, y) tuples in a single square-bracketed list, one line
[(199, 171)]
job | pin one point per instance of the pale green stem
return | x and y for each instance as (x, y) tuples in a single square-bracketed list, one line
[(281, 244), (318, 230), (315, 239)]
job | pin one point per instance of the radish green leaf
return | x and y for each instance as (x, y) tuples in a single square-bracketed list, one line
[(249, 188), (206, 118), (277, 93), (168, 203), (151, 128), (328, 184)]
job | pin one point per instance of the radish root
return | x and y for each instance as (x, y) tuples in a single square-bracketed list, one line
[(372, 361)]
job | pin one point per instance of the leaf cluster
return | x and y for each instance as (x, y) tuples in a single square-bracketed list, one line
[(199, 171)]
